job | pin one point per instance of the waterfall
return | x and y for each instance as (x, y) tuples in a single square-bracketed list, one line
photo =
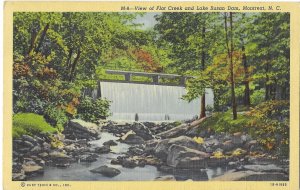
[(147, 102)]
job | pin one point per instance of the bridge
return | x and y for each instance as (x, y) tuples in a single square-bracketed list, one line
[(154, 76)]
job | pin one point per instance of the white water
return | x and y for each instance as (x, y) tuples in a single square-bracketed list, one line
[(150, 102)]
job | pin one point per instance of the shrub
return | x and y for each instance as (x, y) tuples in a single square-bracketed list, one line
[(56, 117), (30, 124), (93, 110), (270, 123)]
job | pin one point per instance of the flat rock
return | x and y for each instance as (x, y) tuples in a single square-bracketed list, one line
[(186, 158), (106, 171)]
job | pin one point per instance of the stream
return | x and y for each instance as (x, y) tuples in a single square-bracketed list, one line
[(80, 171)]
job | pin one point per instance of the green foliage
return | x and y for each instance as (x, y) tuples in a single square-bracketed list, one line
[(258, 96), (93, 110), (270, 123), (56, 117), (223, 122), (30, 124)]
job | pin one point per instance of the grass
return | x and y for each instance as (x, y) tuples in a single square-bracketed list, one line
[(30, 124), (223, 122)]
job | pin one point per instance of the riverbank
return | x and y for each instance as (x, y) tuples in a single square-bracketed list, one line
[(143, 151)]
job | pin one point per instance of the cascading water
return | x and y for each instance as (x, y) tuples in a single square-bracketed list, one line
[(147, 102)]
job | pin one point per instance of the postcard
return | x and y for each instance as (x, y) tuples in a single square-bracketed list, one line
[(153, 95)]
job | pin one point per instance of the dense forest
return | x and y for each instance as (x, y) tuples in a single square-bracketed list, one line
[(243, 57)]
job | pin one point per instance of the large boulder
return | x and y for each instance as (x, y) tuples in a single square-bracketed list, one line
[(131, 138), (142, 131), (162, 148), (79, 129), (106, 171), (181, 157)]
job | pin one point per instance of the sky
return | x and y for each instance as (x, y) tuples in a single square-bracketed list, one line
[(147, 19)]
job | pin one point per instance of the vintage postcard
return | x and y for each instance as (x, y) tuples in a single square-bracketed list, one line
[(153, 95)]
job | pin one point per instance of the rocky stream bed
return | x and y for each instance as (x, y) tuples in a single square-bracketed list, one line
[(139, 151)]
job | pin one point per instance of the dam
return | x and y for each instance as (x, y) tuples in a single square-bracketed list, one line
[(132, 101)]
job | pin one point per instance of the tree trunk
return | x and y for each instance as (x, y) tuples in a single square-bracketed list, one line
[(230, 55), (246, 79), (203, 109), (73, 68), (234, 111), (267, 92), (43, 35), (32, 42)]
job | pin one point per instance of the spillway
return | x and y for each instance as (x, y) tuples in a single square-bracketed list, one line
[(148, 102)]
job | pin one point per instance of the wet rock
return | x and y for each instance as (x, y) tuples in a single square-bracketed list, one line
[(142, 131), (102, 149), (70, 148), (32, 169), (43, 154), (115, 162), (135, 150), (88, 158), (57, 156), (186, 158), (106, 171), (131, 138), (165, 178), (126, 163), (110, 143), (161, 149), (28, 144), (227, 146), (35, 150), (19, 176), (46, 146), (29, 139)]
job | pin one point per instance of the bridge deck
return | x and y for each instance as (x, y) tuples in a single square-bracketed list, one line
[(155, 76)]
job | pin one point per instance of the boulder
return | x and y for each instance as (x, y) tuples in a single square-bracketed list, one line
[(237, 138), (79, 129), (110, 143), (19, 176), (102, 149), (29, 139), (37, 149), (186, 158), (88, 158), (161, 149), (32, 169), (106, 171), (227, 146), (142, 131), (131, 138), (59, 157)]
